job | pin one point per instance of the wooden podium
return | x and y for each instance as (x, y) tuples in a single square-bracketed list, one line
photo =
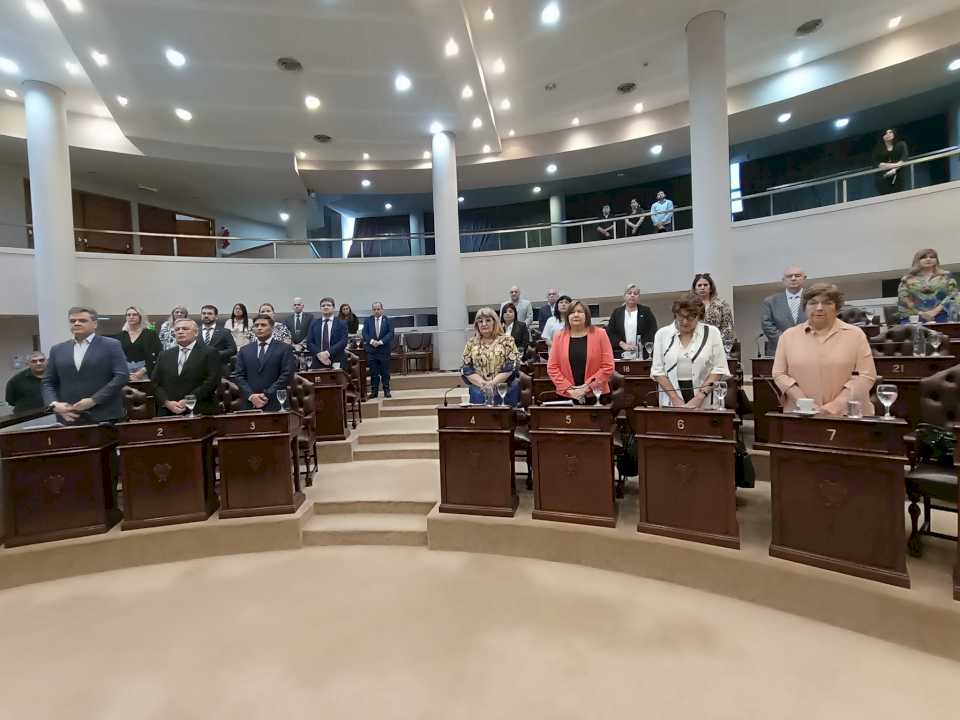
[(687, 467), (956, 569), (572, 451), (476, 460), (766, 397), (837, 494), (330, 403), (906, 372), (57, 483), (638, 387), (259, 469), (166, 471)]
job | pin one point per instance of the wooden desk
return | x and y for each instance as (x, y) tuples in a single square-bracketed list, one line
[(837, 494), (906, 372), (687, 467), (541, 381), (638, 387), (166, 471), (259, 471), (766, 397), (572, 450), (476, 460), (330, 403), (57, 483)]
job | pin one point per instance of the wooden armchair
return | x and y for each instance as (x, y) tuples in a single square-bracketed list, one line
[(353, 389), (896, 340), (229, 397), (397, 351), (418, 348), (138, 405), (301, 400)]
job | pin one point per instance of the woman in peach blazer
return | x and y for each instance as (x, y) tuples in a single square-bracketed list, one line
[(580, 357)]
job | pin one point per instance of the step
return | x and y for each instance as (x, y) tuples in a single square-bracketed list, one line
[(397, 451), (425, 436), (373, 507), (366, 529), (423, 381), (432, 398), (407, 410)]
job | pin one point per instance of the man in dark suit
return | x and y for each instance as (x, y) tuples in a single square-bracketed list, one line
[(781, 311), (327, 339), (299, 324), (217, 338), (545, 312), (631, 325), (188, 368), (84, 379), (378, 339), (264, 366)]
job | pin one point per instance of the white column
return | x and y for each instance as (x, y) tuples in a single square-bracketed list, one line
[(709, 149), (451, 292), (953, 136), (48, 156), (297, 224), (416, 228), (558, 210)]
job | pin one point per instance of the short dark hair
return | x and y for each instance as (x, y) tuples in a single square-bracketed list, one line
[(212, 307), (265, 317), (329, 300), (830, 290), (690, 304), (76, 309), (556, 307), (504, 309), (704, 276), (583, 306)]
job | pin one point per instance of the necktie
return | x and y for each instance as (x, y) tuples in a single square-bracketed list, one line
[(378, 328), (262, 351), (206, 335), (184, 352), (296, 323), (325, 341), (795, 308)]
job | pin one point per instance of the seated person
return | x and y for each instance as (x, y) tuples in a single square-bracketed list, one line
[(517, 330), (490, 358), (558, 320), (264, 367), (824, 358), (188, 368), (688, 356), (581, 358)]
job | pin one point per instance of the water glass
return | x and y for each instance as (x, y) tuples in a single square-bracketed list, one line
[(649, 349), (597, 390), (502, 390), (720, 394), (727, 346), (854, 409), (487, 395), (934, 339), (191, 402), (887, 395), (282, 399)]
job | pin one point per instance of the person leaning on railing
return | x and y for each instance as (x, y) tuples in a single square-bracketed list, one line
[(927, 290), (889, 155), (490, 358)]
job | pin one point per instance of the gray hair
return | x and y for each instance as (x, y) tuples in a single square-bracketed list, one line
[(187, 320), (77, 309)]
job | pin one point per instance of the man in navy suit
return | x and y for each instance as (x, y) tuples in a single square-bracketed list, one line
[(327, 338), (378, 339), (264, 366), (546, 311), (84, 379)]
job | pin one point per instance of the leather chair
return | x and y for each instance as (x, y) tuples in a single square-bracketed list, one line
[(852, 315), (301, 400), (896, 340), (354, 396), (138, 405), (928, 481), (418, 348), (229, 397), (521, 433), (397, 351)]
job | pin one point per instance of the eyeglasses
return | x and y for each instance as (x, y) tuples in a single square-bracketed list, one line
[(686, 318), (820, 303)]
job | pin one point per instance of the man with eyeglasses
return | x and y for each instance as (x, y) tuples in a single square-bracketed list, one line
[(781, 311)]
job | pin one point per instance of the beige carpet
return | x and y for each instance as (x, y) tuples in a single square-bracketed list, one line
[(373, 632)]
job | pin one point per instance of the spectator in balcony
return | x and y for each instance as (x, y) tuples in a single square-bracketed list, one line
[(166, 329), (545, 312), (521, 304), (890, 155), (717, 311), (141, 345), (239, 325), (662, 213), (606, 230), (490, 358), (515, 329), (633, 225), (24, 390), (558, 321), (352, 321), (927, 290), (631, 325), (280, 331), (581, 359)]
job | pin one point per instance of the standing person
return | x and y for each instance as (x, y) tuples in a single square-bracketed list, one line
[(219, 339), (84, 379), (927, 290), (558, 321), (166, 329), (662, 213), (352, 321), (280, 331), (889, 155), (633, 226), (580, 358), (631, 325), (782, 310), (517, 330), (299, 324), (490, 358), (606, 230), (718, 312), (523, 306), (327, 340), (140, 343), (378, 339), (545, 312), (190, 368), (264, 366), (25, 389), (239, 325)]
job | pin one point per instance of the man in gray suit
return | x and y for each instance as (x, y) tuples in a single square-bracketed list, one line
[(523, 306), (782, 310), (84, 379)]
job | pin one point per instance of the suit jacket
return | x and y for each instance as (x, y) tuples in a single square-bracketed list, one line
[(544, 313), (299, 335), (222, 341), (102, 376), (200, 377), (338, 341), (273, 372), (521, 336), (386, 335), (775, 318), (599, 360), (646, 327)]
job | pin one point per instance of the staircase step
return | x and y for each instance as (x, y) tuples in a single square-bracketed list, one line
[(373, 507), (366, 529), (397, 451), (433, 399), (423, 381), (407, 410), (427, 436)]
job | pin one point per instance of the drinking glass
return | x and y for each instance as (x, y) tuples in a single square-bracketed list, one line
[(282, 399), (720, 394), (887, 395), (727, 346), (649, 348), (191, 402), (597, 390), (854, 409), (934, 339), (502, 390), (487, 395)]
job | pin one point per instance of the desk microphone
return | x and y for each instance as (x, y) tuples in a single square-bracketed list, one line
[(448, 391)]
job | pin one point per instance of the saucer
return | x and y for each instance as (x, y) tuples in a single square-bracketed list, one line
[(806, 413)]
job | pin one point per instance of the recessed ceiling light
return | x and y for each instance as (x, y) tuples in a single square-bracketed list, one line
[(551, 169), (550, 14), (477, 123), (511, 132), (460, 199), (784, 117), (10, 94), (505, 104), (795, 58), (284, 216), (451, 49), (426, 155), (536, 189), (122, 101), (467, 92), (499, 66), (100, 58), (894, 22), (488, 14), (402, 83), (954, 66), (485, 149), (575, 121), (74, 6), (387, 206), (37, 9), (436, 127), (366, 156), (9, 66), (73, 68), (175, 57), (638, 108), (656, 149), (301, 155), (841, 123), (365, 183), (184, 115), (312, 102)]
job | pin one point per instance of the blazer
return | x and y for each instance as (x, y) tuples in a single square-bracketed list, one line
[(521, 336), (544, 313), (646, 327), (222, 341), (775, 318), (102, 376), (599, 360), (147, 348), (386, 335), (273, 372), (338, 340), (524, 310), (299, 335), (200, 377)]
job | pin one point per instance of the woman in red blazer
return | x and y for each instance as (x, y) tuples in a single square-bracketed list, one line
[(580, 357)]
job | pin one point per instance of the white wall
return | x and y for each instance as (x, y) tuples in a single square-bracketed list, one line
[(12, 207)]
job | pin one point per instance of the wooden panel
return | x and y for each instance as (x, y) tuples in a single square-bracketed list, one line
[(683, 424), (766, 397), (839, 433), (257, 475), (196, 247), (573, 477), (157, 220), (475, 418), (476, 466), (569, 417), (100, 212)]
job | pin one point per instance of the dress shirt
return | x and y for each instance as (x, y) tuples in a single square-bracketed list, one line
[(793, 302), (80, 349), (208, 331), (376, 325), (262, 347), (185, 351), (296, 322), (630, 325), (673, 360), (552, 327), (325, 334), (662, 212)]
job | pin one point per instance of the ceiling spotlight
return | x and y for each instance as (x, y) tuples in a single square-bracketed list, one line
[(184, 115), (550, 14), (402, 83), (301, 155), (460, 199), (366, 156), (477, 123), (952, 67), (435, 127), (37, 9), (175, 58), (536, 189), (511, 132), (312, 102), (638, 108), (499, 66), (485, 149), (426, 155), (9, 66), (841, 123), (73, 68), (656, 149), (784, 118), (551, 169), (467, 92), (575, 122), (894, 22), (284, 216), (365, 183), (488, 14), (451, 49), (794, 59), (122, 101), (99, 58), (387, 206), (10, 94), (74, 6), (505, 104)]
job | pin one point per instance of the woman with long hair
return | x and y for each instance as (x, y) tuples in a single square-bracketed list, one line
[(140, 344), (927, 290), (490, 358), (581, 358), (517, 330), (239, 325), (717, 311), (889, 155), (352, 321), (559, 319), (166, 329)]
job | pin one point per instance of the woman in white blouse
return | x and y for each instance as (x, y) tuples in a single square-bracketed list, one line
[(557, 321), (688, 356)]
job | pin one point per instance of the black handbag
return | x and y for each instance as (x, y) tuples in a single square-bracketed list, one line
[(935, 444), (746, 474)]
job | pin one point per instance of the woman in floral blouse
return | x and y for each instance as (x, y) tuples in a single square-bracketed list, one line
[(716, 311), (166, 329), (927, 290), (490, 358)]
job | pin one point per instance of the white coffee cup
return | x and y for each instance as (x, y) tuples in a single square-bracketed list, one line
[(336, 366), (805, 405)]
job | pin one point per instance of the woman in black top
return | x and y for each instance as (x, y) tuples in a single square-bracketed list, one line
[(517, 330), (140, 344), (889, 155), (352, 321)]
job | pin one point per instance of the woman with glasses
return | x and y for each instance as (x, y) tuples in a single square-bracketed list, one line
[(688, 356), (927, 290), (717, 311), (824, 358), (489, 360)]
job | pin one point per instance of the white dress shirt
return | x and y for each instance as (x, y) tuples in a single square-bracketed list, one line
[(376, 325), (630, 325), (672, 359), (551, 328), (184, 355), (80, 348), (208, 331), (793, 302)]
